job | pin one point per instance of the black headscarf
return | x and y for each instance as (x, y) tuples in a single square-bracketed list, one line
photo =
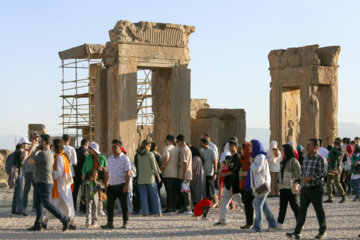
[(196, 153), (289, 154)]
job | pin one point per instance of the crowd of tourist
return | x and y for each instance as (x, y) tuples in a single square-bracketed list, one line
[(195, 180)]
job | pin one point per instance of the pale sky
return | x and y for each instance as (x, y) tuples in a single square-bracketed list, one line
[(228, 49)]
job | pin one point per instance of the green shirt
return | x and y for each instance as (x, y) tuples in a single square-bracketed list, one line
[(91, 184), (146, 167), (89, 163), (335, 157)]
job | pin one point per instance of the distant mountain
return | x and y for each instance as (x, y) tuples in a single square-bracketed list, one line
[(350, 130), (9, 141), (261, 134)]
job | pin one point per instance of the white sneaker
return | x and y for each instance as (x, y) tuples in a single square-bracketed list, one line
[(101, 213), (278, 227), (205, 219)]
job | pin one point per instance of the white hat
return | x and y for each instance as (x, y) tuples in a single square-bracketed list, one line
[(273, 145), (94, 146), (291, 143), (23, 140)]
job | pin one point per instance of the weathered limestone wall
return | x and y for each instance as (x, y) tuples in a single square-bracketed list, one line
[(162, 48), (197, 104), (312, 71), (4, 153), (39, 128), (221, 124)]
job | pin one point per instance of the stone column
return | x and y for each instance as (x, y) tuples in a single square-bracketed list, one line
[(181, 80), (100, 110), (121, 91), (275, 112), (310, 114), (93, 69)]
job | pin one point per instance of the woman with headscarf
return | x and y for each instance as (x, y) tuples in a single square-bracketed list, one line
[(290, 174), (245, 189), (197, 184), (260, 184), (274, 165)]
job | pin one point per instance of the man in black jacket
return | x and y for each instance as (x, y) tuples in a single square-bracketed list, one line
[(81, 154)]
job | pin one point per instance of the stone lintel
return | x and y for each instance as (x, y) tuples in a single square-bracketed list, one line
[(151, 33), (220, 113)]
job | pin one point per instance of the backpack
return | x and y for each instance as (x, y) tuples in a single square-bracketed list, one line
[(9, 163), (13, 177)]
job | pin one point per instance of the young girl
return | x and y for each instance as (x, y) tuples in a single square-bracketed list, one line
[(224, 169), (203, 207), (89, 197)]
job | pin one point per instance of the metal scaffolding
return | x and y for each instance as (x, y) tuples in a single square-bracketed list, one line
[(145, 115), (78, 92)]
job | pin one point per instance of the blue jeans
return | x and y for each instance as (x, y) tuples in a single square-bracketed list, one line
[(42, 199), (29, 180), (261, 207), (355, 184), (17, 202), (149, 193)]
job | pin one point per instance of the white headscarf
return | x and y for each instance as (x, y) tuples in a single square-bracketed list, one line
[(225, 153)]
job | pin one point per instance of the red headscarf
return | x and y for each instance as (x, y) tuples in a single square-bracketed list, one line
[(245, 161)]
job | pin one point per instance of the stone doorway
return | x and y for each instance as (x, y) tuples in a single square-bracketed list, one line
[(291, 114)]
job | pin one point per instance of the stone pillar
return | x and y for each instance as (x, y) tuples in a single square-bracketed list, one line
[(101, 110), (122, 95), (181, 79), (309, 121), (93, 69), (275, 113)]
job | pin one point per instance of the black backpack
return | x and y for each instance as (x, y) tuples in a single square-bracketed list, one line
[(9, 163)]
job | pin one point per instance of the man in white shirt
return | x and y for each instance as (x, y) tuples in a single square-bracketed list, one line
[(117, 180), (70, 152), (212, 146)]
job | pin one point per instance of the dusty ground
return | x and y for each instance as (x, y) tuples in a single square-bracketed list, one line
[(342, 219)]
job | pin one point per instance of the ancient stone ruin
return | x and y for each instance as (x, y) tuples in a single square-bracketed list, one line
[(304, 94), (221, 124), (161, 48), (141, 90), (39, 128)]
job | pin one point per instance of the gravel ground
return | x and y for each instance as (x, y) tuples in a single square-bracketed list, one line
[(342, 221)]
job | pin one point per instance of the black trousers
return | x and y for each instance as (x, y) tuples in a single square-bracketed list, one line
[(247, 199), (116, 192), (206, 211), (172, 188), (209, 186), (312, 195), (286, 196), (185, 198), (77, 186)]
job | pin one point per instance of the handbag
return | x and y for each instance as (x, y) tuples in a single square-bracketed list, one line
[(262, 190)]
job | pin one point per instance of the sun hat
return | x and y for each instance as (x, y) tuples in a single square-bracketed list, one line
[(94, 146), (24, 140)]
